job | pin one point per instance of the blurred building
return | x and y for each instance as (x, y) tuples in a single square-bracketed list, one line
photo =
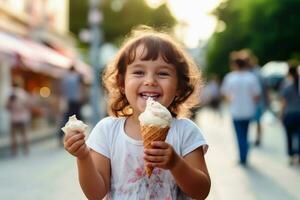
[(36, 46)]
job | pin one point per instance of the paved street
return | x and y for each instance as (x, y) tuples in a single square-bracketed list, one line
[(49, 173), (268, 175)]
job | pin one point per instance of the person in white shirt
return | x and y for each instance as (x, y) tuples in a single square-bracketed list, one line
[(242, 90), (263, 102)]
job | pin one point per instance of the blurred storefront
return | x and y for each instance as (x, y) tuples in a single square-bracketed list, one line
[(36, 46)]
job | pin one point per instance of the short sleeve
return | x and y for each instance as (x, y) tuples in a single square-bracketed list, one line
[(256, 88), (98, 139), (191, 137)]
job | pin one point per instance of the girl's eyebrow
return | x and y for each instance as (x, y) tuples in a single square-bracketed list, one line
[(141, 65), (137, 65)]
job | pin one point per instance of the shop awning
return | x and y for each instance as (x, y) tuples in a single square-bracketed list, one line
[(41, 58)]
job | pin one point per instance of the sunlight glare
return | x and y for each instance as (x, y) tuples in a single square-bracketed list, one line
[(199, 24), (155, 3)]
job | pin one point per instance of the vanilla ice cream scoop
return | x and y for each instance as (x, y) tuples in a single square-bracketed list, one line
[(155, 114), (74, 125)]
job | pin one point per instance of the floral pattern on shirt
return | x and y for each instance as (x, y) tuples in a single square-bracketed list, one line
[(158, 186)]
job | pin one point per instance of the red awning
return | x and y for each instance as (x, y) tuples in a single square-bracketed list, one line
[(41, 58)]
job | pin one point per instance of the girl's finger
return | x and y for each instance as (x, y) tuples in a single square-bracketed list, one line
[(154, 152), (73, 139), (160, 144), (155, 159), (76, 145), (71, 134)]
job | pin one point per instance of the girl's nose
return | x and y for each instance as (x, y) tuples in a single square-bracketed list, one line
[(150, 80)]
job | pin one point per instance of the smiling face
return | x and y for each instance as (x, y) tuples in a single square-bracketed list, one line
[(149, 78)]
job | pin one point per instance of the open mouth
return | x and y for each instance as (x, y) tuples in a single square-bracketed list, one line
[(146, 95)]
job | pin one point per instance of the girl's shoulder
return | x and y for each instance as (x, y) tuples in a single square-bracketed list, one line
[(189, 134), (108, 128), (182, 122), (110, 122), (111, 119)]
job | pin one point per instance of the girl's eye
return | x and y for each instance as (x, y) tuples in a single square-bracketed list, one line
[(163, 74), (138, 73)]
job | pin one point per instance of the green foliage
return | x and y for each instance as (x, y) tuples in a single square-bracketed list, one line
[(269, 28), (78, 17), (117, 23)]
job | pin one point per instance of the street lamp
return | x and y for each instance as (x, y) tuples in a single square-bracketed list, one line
[(95, 18)]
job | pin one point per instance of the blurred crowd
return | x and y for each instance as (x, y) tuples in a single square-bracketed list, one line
[(249, 96)]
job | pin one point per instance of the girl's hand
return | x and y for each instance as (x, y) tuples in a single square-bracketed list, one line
[(74, 143), (161, 155)]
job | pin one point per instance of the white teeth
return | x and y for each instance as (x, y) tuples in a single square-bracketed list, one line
[(154, 96), (150, 94)]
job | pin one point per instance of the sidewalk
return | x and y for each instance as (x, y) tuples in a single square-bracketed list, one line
[(268, 175)]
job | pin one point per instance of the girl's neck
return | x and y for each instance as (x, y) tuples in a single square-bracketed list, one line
[(132, 127)]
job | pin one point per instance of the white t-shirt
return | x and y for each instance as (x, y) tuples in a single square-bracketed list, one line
[(128, 178), (241, 87)]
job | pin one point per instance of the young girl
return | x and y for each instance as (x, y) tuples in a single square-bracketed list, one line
[(111, 162)]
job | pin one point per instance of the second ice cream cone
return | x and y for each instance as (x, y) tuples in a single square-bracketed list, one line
[(152, 133)]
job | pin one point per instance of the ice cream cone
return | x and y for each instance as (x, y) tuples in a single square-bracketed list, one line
[(152, 133), (155, 123)]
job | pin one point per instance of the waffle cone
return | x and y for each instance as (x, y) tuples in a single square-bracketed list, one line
[(152, 133)]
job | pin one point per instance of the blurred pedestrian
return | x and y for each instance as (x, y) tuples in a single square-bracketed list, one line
[(111, 162), (72, 93), (213, 93), (19, 108), (290, 114), (210, 96), (263, 102), (241, 89)]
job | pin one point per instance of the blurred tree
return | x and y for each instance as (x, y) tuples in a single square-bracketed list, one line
[(119, 16), (78, 17), (269, 28)]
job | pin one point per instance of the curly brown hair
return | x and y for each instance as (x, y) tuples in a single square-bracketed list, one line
[(156, 43)]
